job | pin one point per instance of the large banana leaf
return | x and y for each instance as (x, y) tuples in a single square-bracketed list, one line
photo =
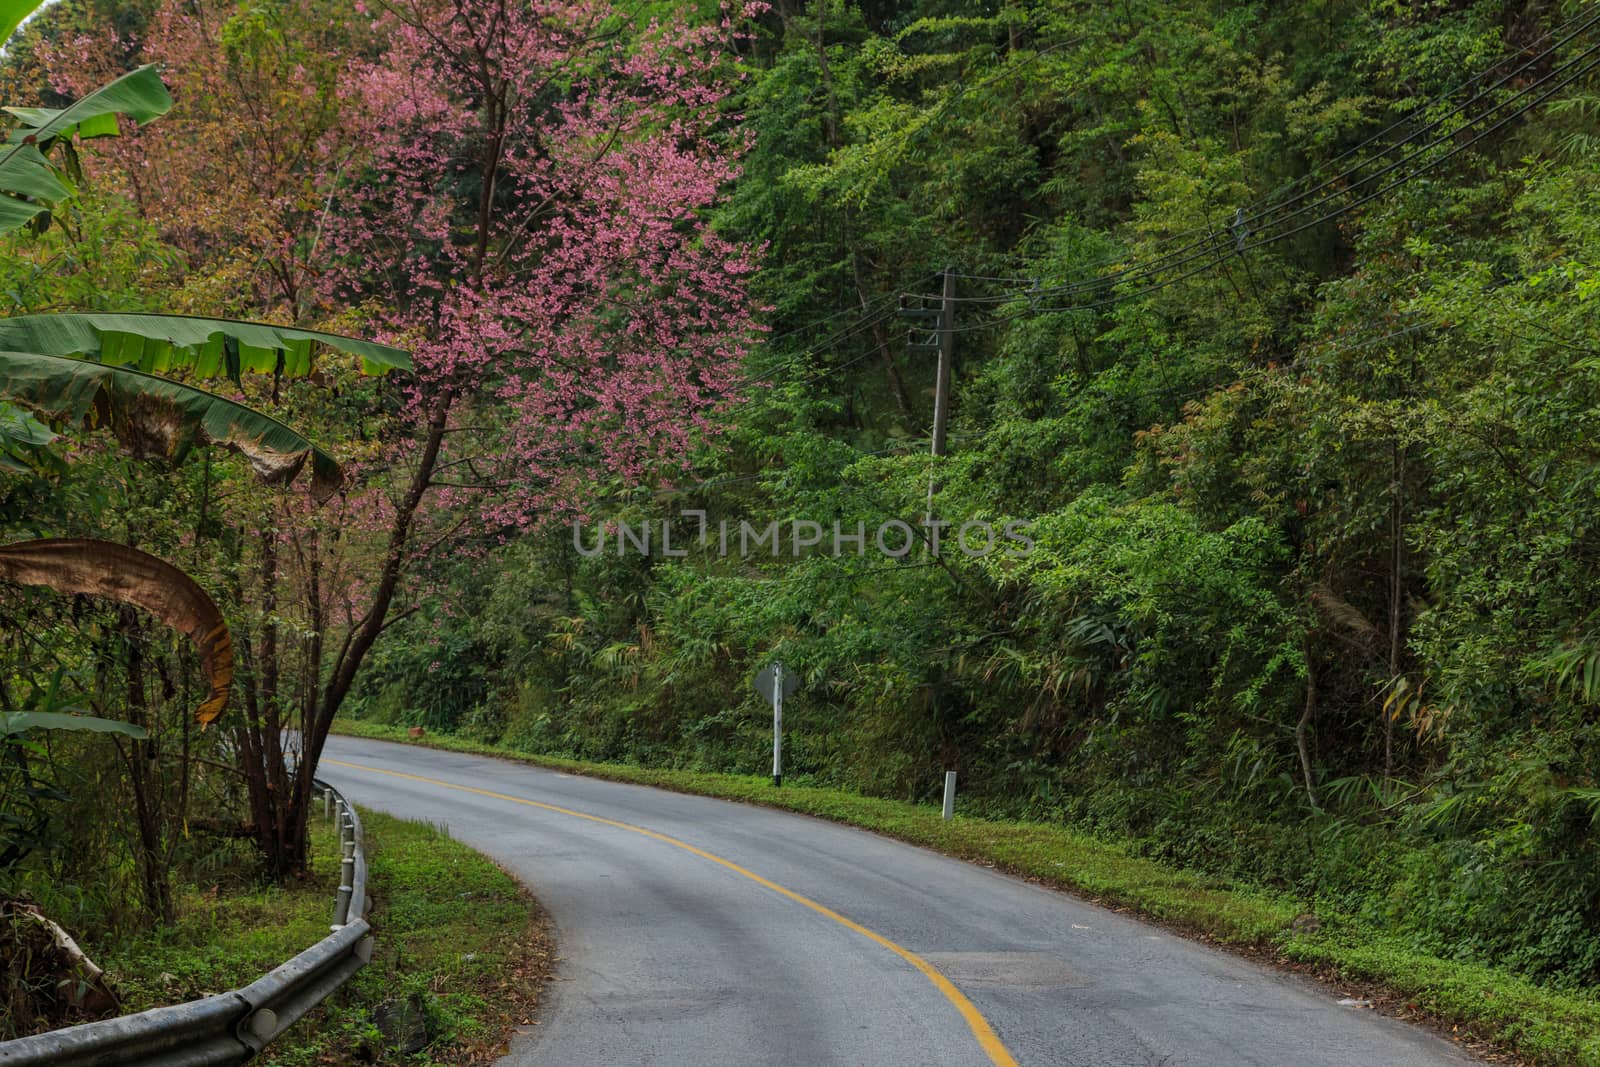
[(24, 171), (73, 565), (15, 213), (12, 12), (138, 94), (208, 347), (153, 416), (16, 722)]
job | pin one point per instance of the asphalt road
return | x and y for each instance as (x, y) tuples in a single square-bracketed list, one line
[(725, 935)]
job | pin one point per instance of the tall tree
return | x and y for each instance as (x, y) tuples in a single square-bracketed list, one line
[(529, 215)]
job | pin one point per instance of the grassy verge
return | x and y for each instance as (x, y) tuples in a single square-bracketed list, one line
[(457, 938), (1541, 1025)]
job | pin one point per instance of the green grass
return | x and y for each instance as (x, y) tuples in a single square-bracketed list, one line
[(451, 927), (224, 937), (1542, 1025)]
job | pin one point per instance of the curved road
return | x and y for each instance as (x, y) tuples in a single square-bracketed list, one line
[(699, 932)]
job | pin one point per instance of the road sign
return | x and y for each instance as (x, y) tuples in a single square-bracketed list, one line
[(769, 675)]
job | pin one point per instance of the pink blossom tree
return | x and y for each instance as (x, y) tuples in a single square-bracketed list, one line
[(528, 215)]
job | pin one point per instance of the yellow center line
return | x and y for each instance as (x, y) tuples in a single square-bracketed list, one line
[(992, 1046)]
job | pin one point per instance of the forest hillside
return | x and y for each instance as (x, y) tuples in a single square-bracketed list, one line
[(1257, 529)]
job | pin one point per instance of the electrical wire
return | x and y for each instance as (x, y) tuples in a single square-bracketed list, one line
[(1177, 257), (842, 312), (1571, 29), (961, 91), (1274, 233), (1210, 248), (1256, 374), (855, 329), (1217, 254)]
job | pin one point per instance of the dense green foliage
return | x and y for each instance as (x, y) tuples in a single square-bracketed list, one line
[(1312, 599)]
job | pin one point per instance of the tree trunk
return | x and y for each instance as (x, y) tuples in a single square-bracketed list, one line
[(139, 755), (897, 384), (1396, 601), (281, 846), (1302, 731), (831, 117), (292, 807), (292, 811)]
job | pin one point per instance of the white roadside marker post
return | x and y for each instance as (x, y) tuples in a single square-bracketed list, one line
[(773, 683), (949, 794), (777, 725)]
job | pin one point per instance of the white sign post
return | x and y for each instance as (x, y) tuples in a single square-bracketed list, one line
[(774, 683)]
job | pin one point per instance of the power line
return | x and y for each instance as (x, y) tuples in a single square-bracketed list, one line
[(1208, 251), (863, 325), (842, 312), (1262, 206), (1278, 229), (961, 90), (1259, 373), (914, 444), (909, 443), (944, 107), (1206, 246), (1586, 23), (1216, 254)]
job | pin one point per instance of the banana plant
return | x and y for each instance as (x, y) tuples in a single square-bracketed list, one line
[(25, 799), (207, 347), (104, 569), (24, 441), (17, 722), (156, 417), (106, 369)]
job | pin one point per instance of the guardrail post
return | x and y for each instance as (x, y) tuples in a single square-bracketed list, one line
[(347, 880), (327, 803)]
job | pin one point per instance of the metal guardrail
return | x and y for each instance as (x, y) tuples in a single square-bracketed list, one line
[(231, 1027)]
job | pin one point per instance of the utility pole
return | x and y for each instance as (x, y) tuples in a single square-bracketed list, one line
[(947, 343), (943, 340), (941, 322), (940, 336)]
